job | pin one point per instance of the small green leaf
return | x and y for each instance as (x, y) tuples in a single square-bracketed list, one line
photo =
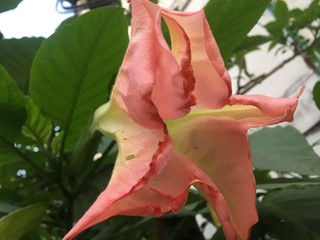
[(283, 149), (281, 12), (308, 16), (37, 126), (316, 94), (231, 21), (294, 13), (275, 28), (74, 67), (12, 107), (6, 5), (16, 55), (18, 223)]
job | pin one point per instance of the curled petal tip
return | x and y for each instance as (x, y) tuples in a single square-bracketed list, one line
[(300, 92)]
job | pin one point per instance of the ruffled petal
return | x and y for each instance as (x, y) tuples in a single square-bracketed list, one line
[(219, 147), (250, 111), (151, 84), (135, 80), (158, 193), (172, 93), (213, 83), (142, 152), (269, 110)]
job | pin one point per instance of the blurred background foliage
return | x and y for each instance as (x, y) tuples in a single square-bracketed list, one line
[(51, 169)]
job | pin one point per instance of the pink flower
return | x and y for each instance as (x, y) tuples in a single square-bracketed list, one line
[(176, 124)]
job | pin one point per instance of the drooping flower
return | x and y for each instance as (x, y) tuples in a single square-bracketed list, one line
[(176, 124)]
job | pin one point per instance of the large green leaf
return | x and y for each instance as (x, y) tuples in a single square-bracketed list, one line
[(274, 183), (252, 43), (283, 149), (75, 66), (18, 223), (16, 55), (12, 107), (292, 213), (231, 21), (12, 117), (37, 126), (6, 5)]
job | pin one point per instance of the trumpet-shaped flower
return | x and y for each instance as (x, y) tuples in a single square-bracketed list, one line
[(176, 124)]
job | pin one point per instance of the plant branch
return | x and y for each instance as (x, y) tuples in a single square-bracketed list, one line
[(35, 166), (248, 86), (186, 4), (41, 145)]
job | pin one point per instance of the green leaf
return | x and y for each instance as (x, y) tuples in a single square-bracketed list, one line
[(294, 13), (84, 151), (275, 28), (18, 223), (231, 21), (252, 43), (308, 16), (283, 149), (281, 12), (316, 94), (12, 117), (12, 107), (6, 5), (16, 55), (75, 66), (37, 127), (7, 155), (292, 213), (219, 235)]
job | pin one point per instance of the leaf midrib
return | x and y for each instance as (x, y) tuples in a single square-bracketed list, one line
[(79, 85)]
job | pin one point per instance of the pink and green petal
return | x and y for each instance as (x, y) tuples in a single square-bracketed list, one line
[(213, 83), (269, 110), (135, 80), (172, 92), (143, 152), (151, 84), (219, 147), (251, 111)]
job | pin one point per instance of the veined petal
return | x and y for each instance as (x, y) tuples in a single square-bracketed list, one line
[(272, 110), (135, 80), (142, 153), (251, 111), (220, 148), (213, 83), (172, 93), (151, 84)]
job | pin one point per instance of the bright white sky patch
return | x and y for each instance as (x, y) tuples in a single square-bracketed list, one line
[(31, 18)]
